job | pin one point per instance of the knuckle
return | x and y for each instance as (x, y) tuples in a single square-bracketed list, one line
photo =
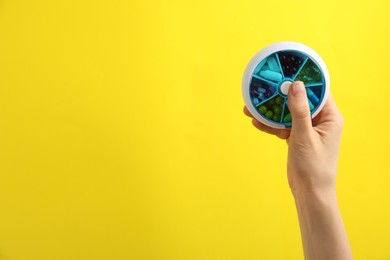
[(302, 114)]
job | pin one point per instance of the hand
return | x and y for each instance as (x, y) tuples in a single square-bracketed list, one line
[(313, 145), (313, 148)]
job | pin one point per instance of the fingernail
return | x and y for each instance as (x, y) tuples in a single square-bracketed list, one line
[(297, 89)]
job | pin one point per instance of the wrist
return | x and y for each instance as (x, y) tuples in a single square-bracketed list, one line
[(315, 197), (313, 184)]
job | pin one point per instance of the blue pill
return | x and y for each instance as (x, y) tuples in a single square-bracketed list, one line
[(313, 98), (271, 75), (259, 67), (272, 64), (261, 96), (310, 105), (255, 101), (268, 93), (261, 90), (265, 67)]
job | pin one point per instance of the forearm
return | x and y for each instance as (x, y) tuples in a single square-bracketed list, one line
[(322, 229)]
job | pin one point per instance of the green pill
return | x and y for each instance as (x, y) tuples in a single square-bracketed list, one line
[(262, 109), (287, 118), (276, 118), (269, 114), (279, 100), (310, 73), (277, 110), (271, 102)]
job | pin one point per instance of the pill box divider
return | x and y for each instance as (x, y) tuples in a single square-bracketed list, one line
[(318, 84), (280, 66), (266, 80), (267, 99), (284, 107)]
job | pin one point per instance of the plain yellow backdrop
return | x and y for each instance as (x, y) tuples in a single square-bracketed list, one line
[(122, 134)]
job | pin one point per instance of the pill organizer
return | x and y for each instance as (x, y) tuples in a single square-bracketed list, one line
[(268, 77)]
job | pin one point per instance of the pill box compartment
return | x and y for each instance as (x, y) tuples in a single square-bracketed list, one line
[(271, 72)]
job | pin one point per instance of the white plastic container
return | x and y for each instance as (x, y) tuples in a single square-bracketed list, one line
[(269, 75)]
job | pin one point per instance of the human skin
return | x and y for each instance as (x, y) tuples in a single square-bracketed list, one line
[(313, 149)]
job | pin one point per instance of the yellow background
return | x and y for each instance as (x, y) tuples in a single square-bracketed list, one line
[(122, 134)]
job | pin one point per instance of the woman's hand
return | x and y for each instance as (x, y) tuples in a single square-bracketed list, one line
[(313, 146)]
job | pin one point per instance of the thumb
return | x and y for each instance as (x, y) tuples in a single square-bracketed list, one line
[(299, 107)]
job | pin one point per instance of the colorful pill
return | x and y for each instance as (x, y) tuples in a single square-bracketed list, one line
[(276, 118), (261, 90), (269, 114), (258, 67), (271, 75), (265, 67), (278, 110), (270, 103), (255, 101), (268, 93), (263, 109), (264, 86), (310, 104), (287, 118), (273, 65), (261, 96), (279, 100), (313, 98)]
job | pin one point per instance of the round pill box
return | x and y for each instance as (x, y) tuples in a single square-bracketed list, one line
[(269, 75)]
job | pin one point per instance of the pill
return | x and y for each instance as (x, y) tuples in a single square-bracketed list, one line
[(261, 96), (255, 101), (269, 114), (313, 98), (279, 100), (277, 110), (307, 79), (276, 118), (258, 67), (316, 70), (290, 63), (261, 90), (310, 73), (262, 109), (257, 83), (271, 75), (310, 104), (270, 103), (265, 67), (273, 65), (268, 93), (287, 118), (264, 86)]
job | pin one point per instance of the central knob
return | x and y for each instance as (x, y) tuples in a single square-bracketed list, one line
[(284, 87)]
